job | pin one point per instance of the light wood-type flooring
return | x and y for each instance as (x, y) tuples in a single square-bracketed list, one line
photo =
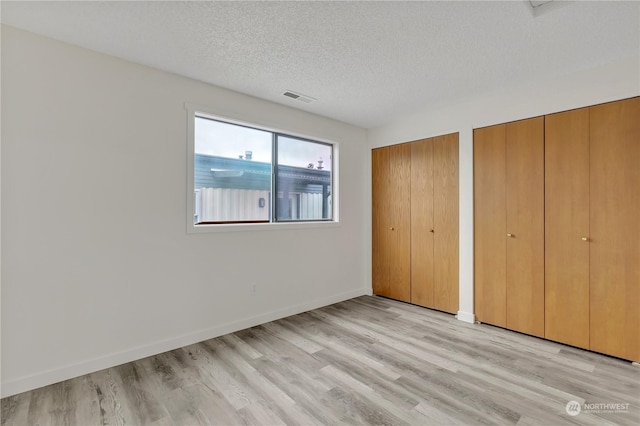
[(364, 361)]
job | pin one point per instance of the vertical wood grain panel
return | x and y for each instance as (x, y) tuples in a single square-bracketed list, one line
[(489, 225), (446, 224), (566, 223), (380, 220), (615, 228), (422, 223), (400, 215), (524, 148)]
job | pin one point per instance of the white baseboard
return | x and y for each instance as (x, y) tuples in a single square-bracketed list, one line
[(44, 378), (466, 317)]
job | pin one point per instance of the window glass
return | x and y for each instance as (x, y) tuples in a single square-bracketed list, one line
[(303, 179), (232, 173)]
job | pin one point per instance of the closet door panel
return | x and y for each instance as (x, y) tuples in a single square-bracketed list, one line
[(490, 225), (381, 221), (567, 227), (446, 223), (400, 216), (615, 229), (422, 259), (525, 222)]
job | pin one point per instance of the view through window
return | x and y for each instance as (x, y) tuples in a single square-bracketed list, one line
[(248, 175)]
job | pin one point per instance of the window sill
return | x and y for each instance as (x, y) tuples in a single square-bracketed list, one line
[(243, 227)]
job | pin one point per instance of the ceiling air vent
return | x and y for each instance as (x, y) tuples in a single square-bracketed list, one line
[(537, 3), (539, 7), (299, 97)]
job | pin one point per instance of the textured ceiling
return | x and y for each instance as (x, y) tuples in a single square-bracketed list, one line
[(366, 63)]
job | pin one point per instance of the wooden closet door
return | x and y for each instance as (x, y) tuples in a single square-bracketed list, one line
[(567, 227), (524, 146), (400, 222), (380, 177), (615, 229), (446, 224), (489, 176), (422, 223)]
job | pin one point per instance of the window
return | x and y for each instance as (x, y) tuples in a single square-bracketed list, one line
[(243, 175), (303, 179)]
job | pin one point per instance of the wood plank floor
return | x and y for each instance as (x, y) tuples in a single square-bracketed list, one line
[(365, 361)]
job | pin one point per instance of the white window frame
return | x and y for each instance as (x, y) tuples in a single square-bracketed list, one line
[(234, 118)]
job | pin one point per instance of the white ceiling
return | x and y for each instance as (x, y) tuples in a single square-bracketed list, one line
[(366, 63)]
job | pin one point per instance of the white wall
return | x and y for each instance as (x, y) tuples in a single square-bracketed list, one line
[(90, 145), (612, 82)]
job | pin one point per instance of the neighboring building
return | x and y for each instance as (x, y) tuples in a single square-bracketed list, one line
[(238, 190)]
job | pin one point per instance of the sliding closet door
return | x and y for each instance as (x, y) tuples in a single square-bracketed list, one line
[(615, 229), (567, 227)]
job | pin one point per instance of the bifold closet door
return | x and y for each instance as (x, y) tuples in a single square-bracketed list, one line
[(391, 185), (566, 191), (380, 218), (422, 227), (509, 225), (445, 223), (567, 227), (490, 223), (615, 228), (524, 145)]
